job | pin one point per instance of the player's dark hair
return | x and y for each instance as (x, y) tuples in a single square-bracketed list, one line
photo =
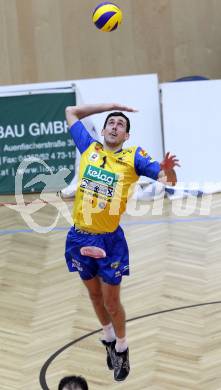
[(73, 383), (117, 113)]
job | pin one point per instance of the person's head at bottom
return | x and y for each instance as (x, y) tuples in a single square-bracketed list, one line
[(73, 383)]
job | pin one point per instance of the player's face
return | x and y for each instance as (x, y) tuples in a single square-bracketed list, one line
[(115, 131)]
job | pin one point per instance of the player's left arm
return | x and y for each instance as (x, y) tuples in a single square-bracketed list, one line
[(76, 113)]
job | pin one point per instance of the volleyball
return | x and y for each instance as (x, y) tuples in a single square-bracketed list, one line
[(107, 16)]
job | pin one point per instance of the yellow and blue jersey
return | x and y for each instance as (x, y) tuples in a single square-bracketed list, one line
[(105, 181)]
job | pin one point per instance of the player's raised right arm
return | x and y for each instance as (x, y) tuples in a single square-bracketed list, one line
[(75, 113)]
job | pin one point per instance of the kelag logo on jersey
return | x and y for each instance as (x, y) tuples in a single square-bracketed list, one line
[(100, 175)]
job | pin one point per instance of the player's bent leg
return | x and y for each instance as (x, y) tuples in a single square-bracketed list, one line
[(93, 251), (111, 294), (96, 296)]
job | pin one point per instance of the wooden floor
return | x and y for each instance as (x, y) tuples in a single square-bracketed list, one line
[(175, 262)]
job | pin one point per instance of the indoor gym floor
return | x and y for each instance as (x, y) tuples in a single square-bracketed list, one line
[(172, 300)]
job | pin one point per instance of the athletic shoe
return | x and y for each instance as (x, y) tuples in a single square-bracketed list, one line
[(121, 365), (110, 348)]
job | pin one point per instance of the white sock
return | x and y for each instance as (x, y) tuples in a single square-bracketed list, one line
[(121, 344), (109, 333)]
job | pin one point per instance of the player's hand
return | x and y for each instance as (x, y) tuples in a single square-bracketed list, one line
[(167, 169), (169, 162)]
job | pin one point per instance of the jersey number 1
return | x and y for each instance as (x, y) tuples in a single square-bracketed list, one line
[(104, 162)]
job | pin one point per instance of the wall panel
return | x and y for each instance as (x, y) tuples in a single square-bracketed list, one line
[(50, 40), (26, 40)]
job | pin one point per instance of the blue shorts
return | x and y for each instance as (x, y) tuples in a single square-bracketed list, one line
[(110, 268)]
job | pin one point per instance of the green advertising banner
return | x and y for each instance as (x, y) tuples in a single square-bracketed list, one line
[(33, 127)]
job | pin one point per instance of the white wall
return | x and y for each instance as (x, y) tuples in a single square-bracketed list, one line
[(192, 128), (141, 92)]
